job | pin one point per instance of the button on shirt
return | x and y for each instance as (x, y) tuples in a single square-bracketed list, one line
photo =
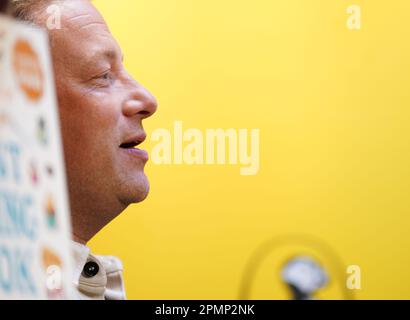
[(97, 277)]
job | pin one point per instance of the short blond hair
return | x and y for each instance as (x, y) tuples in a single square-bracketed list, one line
[(27, 10)]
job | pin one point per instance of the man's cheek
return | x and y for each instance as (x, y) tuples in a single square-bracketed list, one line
[(104, 118)]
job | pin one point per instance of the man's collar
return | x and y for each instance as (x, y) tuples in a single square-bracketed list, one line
[(107, 284), (80, 255)]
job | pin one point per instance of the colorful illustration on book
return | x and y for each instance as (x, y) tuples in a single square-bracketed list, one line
[(50, 211), (52, 265)]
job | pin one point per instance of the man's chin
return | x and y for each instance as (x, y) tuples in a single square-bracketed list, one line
[(135, 192)]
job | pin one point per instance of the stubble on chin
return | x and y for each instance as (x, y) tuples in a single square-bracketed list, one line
[(134, 190)]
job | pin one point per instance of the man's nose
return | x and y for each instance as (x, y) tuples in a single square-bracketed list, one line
[(140, 103)]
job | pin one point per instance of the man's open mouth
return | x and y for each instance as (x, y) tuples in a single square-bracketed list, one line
[(133, 141), (129, 145)]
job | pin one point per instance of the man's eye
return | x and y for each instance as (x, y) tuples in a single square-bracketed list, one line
[(104, 80), (106, 76)]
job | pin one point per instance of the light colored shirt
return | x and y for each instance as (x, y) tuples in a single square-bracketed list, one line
[(106, 284)]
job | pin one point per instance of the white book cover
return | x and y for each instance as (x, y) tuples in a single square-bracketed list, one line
[(35, 255)]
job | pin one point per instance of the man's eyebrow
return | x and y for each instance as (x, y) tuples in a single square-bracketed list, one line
[(110, 54)]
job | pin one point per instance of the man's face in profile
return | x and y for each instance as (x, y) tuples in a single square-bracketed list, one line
[(101, 109)]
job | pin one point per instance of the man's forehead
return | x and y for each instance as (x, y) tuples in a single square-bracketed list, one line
[(81, 14), (85, 31)]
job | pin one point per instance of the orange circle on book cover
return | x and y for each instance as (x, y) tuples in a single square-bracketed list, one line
[(28, 70)]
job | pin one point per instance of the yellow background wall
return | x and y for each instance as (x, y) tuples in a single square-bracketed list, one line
[(332, 105)]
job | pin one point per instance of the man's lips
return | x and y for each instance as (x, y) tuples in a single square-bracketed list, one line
[(138, 153), (129, 146), (133, 141)]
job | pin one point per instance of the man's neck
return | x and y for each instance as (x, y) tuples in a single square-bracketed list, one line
[(78, 239)]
